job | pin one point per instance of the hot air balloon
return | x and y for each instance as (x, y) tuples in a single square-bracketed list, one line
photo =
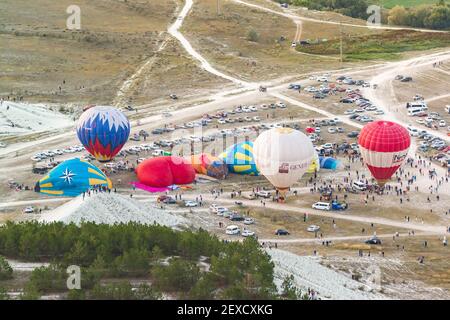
[(103, 131), (314, 167), (329, 163), (207, 164), (239, 158), (384, 146), (162, 172), (283, 155), (71, 178)]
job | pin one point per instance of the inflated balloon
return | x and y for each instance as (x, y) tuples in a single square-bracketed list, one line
[(283, 155), (71, 178), (384, 147), (103, 131), (239, 158), (314, 167), (162, 172), (207, 164), (329, 163)]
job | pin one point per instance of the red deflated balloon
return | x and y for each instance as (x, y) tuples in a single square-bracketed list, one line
[(384, 147), (162, 172)]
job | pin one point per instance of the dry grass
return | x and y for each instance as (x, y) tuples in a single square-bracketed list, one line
[(223, 40)]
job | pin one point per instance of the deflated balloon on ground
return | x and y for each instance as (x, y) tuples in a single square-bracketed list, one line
[(162, 172), (71, 178)]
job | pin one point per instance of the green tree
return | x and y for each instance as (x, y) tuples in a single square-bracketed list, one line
[(252, 36), (3, 294), (179, 275), (288, 289), (6, 272), (399, 16)]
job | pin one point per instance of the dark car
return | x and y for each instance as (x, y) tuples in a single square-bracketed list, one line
[(319, 96), (346, 100), (282, 232), (406, 79), (353, 134), (40, 170), (236, 217), (158, 131), (373, 241)]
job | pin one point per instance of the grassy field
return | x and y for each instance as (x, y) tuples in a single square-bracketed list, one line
[(223, 39), (387, 46), (38, 53), (406, 3)]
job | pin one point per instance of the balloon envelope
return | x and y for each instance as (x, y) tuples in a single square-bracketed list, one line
[(283, 155), (315, 164), (162, 172), (329, 163), (71, 178), (207, 164), (103, 131), (384, 147), (239, 158)]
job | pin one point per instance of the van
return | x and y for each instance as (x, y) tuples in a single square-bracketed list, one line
[(233, 230), (359, 185), (417, 104), (322, 206), (412, 112)]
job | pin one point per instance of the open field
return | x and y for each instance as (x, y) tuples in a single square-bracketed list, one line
[(388, 45), (224, 40), (406, 3)]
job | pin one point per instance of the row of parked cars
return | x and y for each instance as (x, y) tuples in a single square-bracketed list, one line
[(428, 140), (53, 153)]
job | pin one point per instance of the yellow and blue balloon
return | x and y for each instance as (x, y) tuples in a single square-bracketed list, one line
[(71, 178)]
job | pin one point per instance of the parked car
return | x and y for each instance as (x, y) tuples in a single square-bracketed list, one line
[(248, 233), (190, 204), (28, 210), (322, 206), (249, 221), (313, 228), (233, 230), (281, 232), (263, 194), (373, 240)]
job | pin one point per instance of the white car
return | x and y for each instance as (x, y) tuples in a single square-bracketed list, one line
[(442, 123), (313, 228), (28, 210), (322, 206), (247, 233), (317, 129), (232, 230), (221, 121), (263, 194), (379, 112), (36, 158), (332, 130), (349, 111), (327, 146), (249, 221), (311, 89), (2, 145), (256, 118), (322, 79), (190, 204)]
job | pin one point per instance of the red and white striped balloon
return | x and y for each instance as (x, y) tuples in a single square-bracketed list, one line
[(384, 146)]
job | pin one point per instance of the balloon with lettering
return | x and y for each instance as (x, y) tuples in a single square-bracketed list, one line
[(283, 155), (384, 146)]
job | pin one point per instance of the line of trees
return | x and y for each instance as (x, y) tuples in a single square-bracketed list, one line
[(435, 16), (352, 8), (168, 259), (423, 16)]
